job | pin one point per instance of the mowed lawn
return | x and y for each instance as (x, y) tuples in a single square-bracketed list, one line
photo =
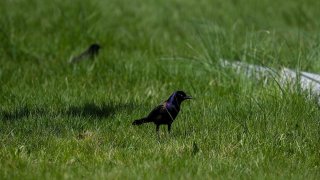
[(73, 121)]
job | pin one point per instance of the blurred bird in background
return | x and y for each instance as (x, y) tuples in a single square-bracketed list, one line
[(90, 53)]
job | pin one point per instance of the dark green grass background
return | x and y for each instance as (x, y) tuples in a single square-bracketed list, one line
[(74, 121)]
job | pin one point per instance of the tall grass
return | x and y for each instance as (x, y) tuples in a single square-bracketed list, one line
[(74, 121)]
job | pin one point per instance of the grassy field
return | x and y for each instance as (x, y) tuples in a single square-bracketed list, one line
[(64, 121)]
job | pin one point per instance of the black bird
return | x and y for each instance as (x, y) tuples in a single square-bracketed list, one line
[(90, 53), (166, 112)]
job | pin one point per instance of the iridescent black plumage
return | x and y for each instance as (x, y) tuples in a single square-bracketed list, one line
[(90, 53), (166, 112)]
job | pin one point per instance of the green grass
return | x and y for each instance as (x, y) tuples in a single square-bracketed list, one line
[(74, 121)]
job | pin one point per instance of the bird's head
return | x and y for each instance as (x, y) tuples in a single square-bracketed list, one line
[(179, 96), (94, 48)]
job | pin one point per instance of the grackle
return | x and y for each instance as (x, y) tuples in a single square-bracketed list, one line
[(90, 53), (166, 112)]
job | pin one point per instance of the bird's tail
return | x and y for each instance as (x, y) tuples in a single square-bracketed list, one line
[(140, 121)]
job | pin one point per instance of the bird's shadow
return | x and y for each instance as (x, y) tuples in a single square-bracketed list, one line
[(21, 112), (86, 110), (97, 111)]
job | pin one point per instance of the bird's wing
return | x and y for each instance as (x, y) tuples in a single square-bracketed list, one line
[(82, 56), (158, 111)]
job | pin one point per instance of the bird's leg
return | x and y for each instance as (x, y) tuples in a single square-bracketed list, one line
[(157, 130), (169, 128)]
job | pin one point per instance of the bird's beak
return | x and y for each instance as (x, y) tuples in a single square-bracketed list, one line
[(188, 97)]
